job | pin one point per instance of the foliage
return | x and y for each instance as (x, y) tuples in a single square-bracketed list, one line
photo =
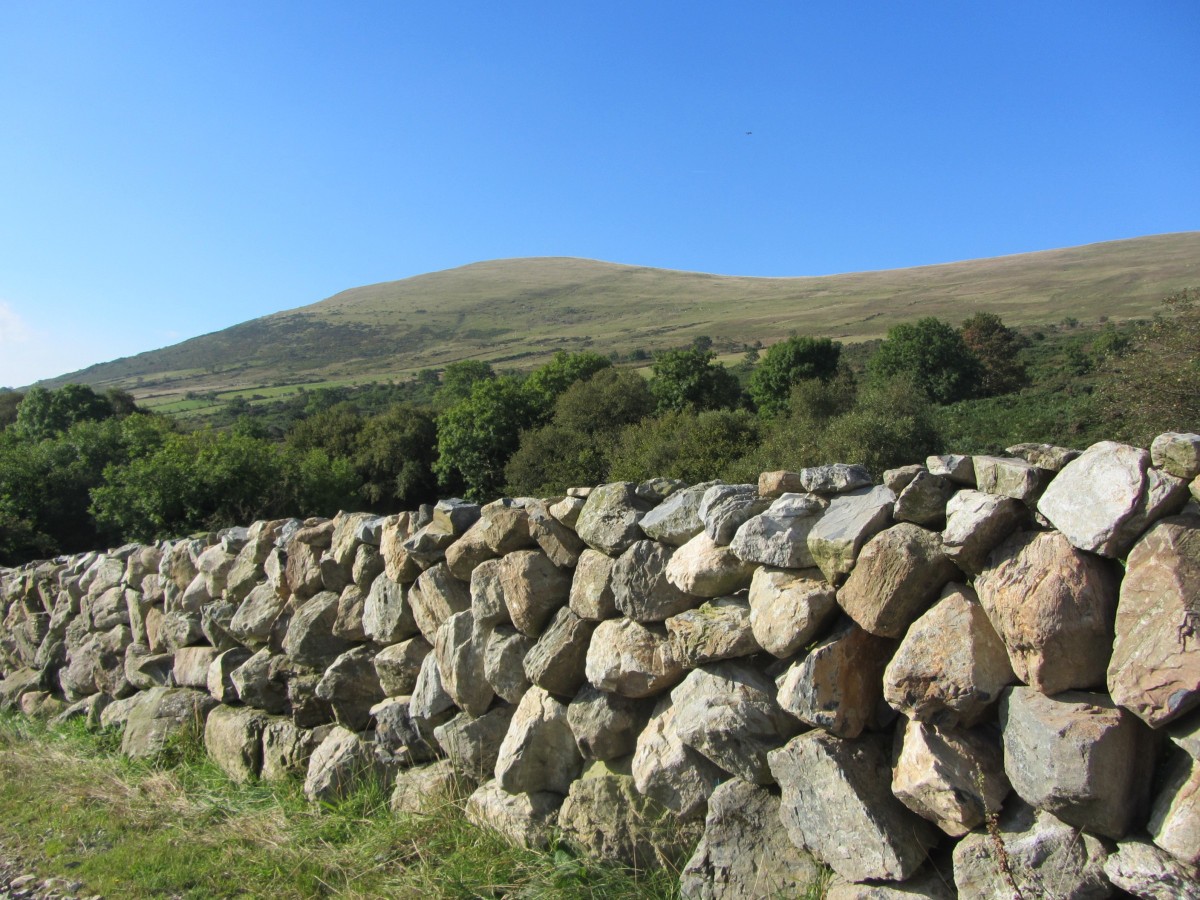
[(689, 379), (693, 446), (574, 448), (334, 429), (996, 347), (394, 458), (1155, 386), (45, 484), (459, 379), (44, 413), (786, 364), (888, 423), (547, 382), (476, 436), (933, 356), (9, 402), (209, 479)]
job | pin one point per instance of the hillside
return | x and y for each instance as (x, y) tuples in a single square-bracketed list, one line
[(515, 312)]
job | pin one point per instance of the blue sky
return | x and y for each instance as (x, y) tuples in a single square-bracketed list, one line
[(169, 169)]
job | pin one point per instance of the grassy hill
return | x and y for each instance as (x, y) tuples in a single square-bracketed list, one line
[(516, 312)]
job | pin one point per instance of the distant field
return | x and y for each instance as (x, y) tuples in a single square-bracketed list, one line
[(515, 313)]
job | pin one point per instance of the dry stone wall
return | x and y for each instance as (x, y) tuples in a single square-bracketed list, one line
[(977, 678)]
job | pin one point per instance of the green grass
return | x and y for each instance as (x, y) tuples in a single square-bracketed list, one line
[(516, 313), (177, 827)]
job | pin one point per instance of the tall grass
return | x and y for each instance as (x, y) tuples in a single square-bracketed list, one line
[(178, 827)]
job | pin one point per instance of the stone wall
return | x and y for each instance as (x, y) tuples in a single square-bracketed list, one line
[(972, 678)]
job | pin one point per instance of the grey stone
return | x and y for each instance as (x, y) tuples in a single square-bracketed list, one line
[(837, 802), (850, 521), (724, 507), (454, 515), (958, 469), (398, 665), (233, 738), (1044, 456), (145, 670), (977, 523), (591, 594), (473, 745), (605, 725), (557, 662), (310, 640), (838, 685), (1155, 666), (504, 662), (668, 770), (557, 541), (838, 478), (746, 853), (487, 595), (1043, 856), (609, 519), (899, 572), (351, 687), (1144, 870), (1177, 454), (567, 510), (789, 608), (779, 535), (923, 500), (533, 588), (953, 778), (252, 622), (435, 597), (539, 751), (1014, 478), (706, 569), (719, 629), (465, 554), (727, 712), (219, 680), (526, 820), (341, 763), (403, 738), (259, 683), (1103, 500), (608, 819), (430, 697), (460, 649), (425, 789), (640, 586), (428, 545), (676, 520), (349, 622), (1175, 816), (1078, 756), (387, 616), (896, 480), (161, 713), (631, 659)]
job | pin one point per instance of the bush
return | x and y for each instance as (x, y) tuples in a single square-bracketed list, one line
[(692, 446), (786, 365), (689, 379)]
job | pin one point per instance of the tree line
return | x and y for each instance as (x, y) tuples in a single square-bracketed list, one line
[(81, 469)]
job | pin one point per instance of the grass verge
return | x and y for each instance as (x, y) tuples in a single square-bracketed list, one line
[(73, 807)]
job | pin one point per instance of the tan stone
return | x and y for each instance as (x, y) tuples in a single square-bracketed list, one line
[(703, 568), (1053, 606), (631, 659), (789, 608)]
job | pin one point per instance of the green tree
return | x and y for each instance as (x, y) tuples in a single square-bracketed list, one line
[(394, 458), (574, 448), (547, 382), (932, 355), (786, 364), (476, 436), (996, 346), (459, 379), (334, 429), (689, 379), (44, 413), (10, 401)]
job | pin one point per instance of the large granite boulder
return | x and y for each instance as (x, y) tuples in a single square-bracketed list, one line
[(789, 608), (609, 519)]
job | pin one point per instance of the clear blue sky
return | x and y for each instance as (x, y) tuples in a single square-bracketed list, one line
[(172, 168)]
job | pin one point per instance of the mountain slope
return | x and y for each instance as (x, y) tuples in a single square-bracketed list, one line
[(518, 311)]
